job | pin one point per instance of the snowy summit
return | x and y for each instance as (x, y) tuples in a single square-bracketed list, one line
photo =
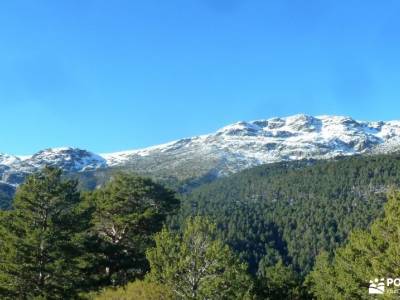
[(230, 149)]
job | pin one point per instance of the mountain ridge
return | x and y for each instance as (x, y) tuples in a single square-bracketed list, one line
[(228, 150)]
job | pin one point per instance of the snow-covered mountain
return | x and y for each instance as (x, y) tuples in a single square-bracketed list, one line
[(230, 149), (13, 169)]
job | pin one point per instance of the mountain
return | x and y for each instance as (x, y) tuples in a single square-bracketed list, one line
[(229, 150), (246, 144)]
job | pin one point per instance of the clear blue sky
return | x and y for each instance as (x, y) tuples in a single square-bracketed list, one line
[(117, 75)]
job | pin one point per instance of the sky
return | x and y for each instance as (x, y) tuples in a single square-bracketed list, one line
[(116, 75)]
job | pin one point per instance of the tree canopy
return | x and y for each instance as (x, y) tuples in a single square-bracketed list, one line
[(196, 265), (127, 212), (39, 246), (367, 255)]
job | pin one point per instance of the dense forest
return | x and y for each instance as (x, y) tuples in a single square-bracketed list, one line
[(369, 260), (292, 211), (278, 231)]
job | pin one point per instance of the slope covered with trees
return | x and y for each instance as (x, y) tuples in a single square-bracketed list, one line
[(252, 235), (292, 211), (369, 256)]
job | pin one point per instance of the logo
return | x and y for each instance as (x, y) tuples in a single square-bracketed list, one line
[(376, 287), (382, 285)]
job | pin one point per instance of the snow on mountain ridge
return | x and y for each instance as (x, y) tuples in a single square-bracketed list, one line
[(6, 159), (67, 158), (245, 144), (231, 148)]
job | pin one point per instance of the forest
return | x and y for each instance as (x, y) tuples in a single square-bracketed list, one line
[(291, 230)]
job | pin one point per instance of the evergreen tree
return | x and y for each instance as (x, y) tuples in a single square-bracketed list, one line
[(293, 210), (367, 255), (278, 282), (321, 282), (137, 290), (197, 265), (127, 211), (40, 256)]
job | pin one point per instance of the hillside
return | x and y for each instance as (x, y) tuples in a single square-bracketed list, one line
[(294, 210)]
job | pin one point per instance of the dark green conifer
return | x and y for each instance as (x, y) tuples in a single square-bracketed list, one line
[(40, 252), (127, 212)]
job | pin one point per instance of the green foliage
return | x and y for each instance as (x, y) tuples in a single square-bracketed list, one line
[(321, 281), (196, 265), (367, 255), (40, 240), (137, 290), (278, 282), (293, 210), (6, 195), (127, 211), (276, 218)]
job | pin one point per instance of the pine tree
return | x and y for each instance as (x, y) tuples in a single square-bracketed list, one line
[(367, 255), (321, 282), (127, 212), (137, 290), (197, 265), (39, 240), (278, 282)]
